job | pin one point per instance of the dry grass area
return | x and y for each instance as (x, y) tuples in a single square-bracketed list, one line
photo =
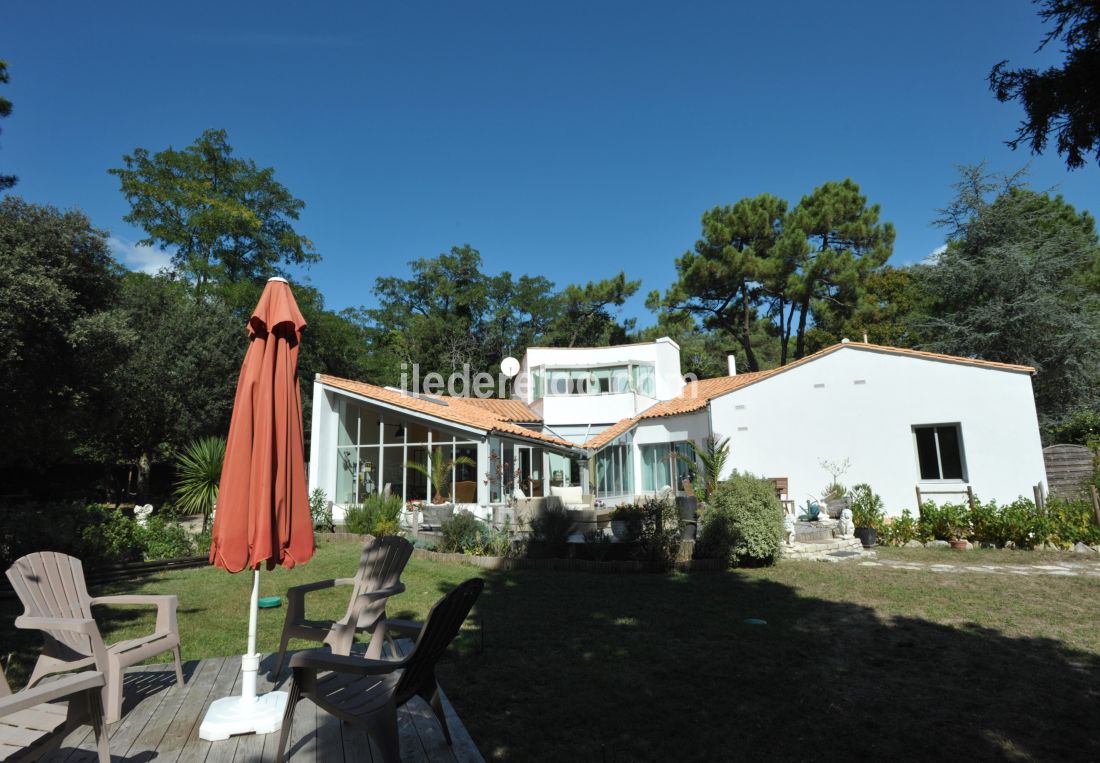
[(854, 662)]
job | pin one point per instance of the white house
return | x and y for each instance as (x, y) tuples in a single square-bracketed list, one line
[(611, 419)]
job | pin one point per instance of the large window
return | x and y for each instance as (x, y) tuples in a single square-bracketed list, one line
[(940, 452), (604, 380), (666, 465), (372, 452), (615, 469)]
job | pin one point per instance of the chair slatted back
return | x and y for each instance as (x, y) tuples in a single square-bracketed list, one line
[(442, 625), (51, 584), (380, 566)]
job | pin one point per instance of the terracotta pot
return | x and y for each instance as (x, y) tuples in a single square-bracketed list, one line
[(959, 545)]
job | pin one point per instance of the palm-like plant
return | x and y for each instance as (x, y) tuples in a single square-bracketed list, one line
[(198, 472), (438, 471), (712, 457)]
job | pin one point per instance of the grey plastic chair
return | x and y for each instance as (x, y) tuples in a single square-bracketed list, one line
[(367, 692), (379, 577)]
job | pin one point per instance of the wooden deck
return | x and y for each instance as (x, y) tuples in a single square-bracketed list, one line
[(161, 722)]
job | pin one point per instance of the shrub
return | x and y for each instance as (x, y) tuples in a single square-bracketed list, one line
[(377, 515), (867, 508), (900, 530), (744, 523), (109, 536), (553, 529), (1069, 522), (661, 528), (946, 521), (163, 537), (626, 512), (460, 534), (320, 510)]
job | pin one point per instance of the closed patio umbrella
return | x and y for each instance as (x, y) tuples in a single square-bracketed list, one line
[(263, 507)]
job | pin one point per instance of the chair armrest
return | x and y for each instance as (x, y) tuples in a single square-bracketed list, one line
[(304, 588), (166, 606), (321, 659), (83, 625), (64, 687), (405, 626)]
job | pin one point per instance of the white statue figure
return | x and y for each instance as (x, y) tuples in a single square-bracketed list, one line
[(846, 527), (823, 517), (141, 513), (788, 528)]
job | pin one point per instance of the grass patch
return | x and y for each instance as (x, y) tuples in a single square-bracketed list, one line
[(855, 662)]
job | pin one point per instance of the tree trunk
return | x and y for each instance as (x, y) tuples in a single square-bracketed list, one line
[(800, 343), (141, 488), (746, 341)]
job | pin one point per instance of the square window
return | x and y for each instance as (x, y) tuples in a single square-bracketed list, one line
[(939, 452)]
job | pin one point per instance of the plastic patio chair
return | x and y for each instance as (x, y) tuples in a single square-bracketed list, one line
[(367, 692), (379, 577), (32, 725), (56, 601)]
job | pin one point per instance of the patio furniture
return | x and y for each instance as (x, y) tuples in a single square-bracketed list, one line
[(56, 601), (32, 724), (571, 497), (466, 492), (379, 577), (367, 692)]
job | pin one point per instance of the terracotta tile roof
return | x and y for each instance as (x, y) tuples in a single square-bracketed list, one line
[(508, 410), (696, 395), (459, 410)]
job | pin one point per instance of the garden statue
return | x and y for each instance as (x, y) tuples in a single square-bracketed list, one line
[(847, 527), (788, 528), (141, 513)]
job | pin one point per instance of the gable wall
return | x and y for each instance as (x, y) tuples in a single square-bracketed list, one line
[(787, 425)]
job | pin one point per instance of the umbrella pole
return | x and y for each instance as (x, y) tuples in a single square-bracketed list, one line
[(248, 713), (250, 662)]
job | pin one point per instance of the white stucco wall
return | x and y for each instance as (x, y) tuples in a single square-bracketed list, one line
[(784, 426), (663, 353), (322, 443)]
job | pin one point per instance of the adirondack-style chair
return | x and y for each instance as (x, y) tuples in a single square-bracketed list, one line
[(367, 692), (379, 577), (56, 601), (33, 723)]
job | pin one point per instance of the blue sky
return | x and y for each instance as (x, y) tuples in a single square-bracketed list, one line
[(568, 139)]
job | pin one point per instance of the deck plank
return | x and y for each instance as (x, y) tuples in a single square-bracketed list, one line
[(161, 723)]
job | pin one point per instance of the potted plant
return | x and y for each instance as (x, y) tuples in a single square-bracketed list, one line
[(439, 471), (626, 521), (867, 514), (958, 526)]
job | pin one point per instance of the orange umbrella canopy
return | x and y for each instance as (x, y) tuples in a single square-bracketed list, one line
[(263, 505)]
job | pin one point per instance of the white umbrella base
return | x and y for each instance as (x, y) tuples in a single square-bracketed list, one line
[(230, 716)]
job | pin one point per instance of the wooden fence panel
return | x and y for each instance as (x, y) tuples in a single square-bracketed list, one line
[(1068, 468)]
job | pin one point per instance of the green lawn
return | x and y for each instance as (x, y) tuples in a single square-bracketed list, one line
[(855, 661)]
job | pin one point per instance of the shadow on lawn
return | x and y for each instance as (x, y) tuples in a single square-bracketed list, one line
[(610, 668)]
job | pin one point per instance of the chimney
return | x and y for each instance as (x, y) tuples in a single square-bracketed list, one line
[(731, 362)]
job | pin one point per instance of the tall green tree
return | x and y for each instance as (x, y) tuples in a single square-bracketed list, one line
[(761, 265), (6, 181), (223, 218), (1060, 101), (837, 241), (886, 306), (1010, 287), (586, 314), (176, 380), (722, 281), (449, 313), (58, 335)]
